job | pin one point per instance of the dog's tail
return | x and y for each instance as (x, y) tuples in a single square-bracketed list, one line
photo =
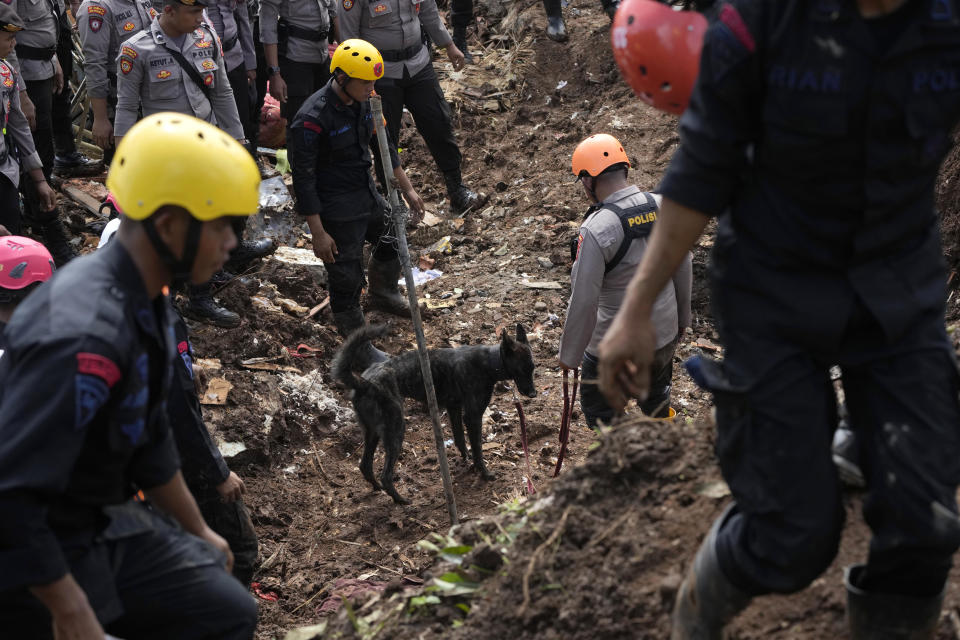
[(342, 368)]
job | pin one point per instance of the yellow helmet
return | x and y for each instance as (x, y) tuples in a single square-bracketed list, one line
[(358, 59), (176, 159)]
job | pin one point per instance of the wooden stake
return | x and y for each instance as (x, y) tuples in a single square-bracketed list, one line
[(400, 231)]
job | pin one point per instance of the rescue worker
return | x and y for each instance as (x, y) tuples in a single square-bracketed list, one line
[(83, 420), (24, 161), (67, 160), (409, 79), (176, 65), (606, 257), (330, 160), (295, 36), (556, 29), (231, 20), (461, 15), (35, 60), (217, 490), (814, 133), (104, 25)]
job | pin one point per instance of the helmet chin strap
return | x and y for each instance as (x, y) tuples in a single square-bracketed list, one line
[(181, 268)]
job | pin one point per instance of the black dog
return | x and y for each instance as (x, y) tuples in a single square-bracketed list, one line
[(463, 379)]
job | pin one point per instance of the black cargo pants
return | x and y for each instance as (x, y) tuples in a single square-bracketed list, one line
[(346, 275)]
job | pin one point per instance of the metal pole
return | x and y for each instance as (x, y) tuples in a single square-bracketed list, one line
[(400, 229)]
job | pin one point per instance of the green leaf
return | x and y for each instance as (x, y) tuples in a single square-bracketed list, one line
[(463, 606), (458, 550)]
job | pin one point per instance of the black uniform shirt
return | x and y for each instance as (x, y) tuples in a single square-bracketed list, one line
[(329, 153), (84, 412), (820, 146), (202, 463)]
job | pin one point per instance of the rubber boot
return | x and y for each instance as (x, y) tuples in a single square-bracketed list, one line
[(349, 321), (49, 227), (462, 199), (201, 306), (556, 30), (707, 600), (384, 292), (246, 252), (882, 616), (460, 39)]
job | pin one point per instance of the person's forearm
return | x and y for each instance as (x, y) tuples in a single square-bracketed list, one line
[(37, 175), (315, 224), (403, 182), (175, 499), (99, 106), (270, 53), (675, 232), (61, 596)]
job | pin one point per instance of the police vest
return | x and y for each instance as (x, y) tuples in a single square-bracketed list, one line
[(637, 222)]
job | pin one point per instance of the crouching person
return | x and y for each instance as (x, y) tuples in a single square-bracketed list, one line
[(84, 420)]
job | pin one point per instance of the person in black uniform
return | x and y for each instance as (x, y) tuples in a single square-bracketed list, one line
[(815, 132), (330, 160), (556, 29), (461, 15), (84, 422)]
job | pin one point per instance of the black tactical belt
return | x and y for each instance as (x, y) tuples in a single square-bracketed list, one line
[(25, 52), (399, 55), (305, 34), (230, 43)]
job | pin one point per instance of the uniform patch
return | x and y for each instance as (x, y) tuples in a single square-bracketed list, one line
[(101, 366), (96, 10), (4, 70), (380, 8), (163, 75), (95, 24), (730, 17), (313, 126), (130, 53), (347, 5), (8, 82), (208, 64), (153, 13), (129, 26), (378, 69), (136, 399), (203, 44), (579, 242), (184, 349), (91, 393), (133, 430), (208, 79), (125, 66)]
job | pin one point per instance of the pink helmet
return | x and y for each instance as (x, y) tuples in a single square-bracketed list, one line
[(23, 262)]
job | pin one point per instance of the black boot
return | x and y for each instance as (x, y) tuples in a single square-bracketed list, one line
[(49, 227), (75, 163), (882, 616), (384, 292), (556, 29), (460, 39), (349, 321), (201, 306), (610, 7), (707, 600), (246, 252), (462, 199)]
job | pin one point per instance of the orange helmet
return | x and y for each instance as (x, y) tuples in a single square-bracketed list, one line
[(596, 154), (658, 51)]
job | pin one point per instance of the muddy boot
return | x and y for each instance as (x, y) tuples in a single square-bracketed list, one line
[(349, 321), (384, 292), (882, 616), (246, 252), (201, 306), (707, 600), (49, 227), (75, 163), (460, 39), (462, 199)]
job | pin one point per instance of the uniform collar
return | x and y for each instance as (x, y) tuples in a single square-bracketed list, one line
[(124, 270), (617, 196)]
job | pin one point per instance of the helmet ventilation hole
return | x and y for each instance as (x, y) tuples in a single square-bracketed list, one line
[(643, 70), (606, 153), (367, 58), (200, 134), (355, 53), (665, 87), (630, 19), (122, 160)]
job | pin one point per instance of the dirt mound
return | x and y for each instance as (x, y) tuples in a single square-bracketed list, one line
[(948, 203)]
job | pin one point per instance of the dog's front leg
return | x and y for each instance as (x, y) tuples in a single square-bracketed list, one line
[(456, 425)]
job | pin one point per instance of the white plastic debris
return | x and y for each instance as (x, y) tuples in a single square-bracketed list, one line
[(274, 193)]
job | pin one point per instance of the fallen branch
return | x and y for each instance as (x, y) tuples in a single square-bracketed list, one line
[(613, 527), (533, 560)]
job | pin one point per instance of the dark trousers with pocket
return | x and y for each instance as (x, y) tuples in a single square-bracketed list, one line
[(232, 521), (145, 579), (657, 405), (346, 275), (41, 94), (776, 413), (62, 122), (303, 80), (461, 13), (423, 97), (244, 94)]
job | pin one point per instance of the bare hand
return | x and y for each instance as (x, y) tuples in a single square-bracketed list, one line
[(324, 247), (57, 77), (455, 56), (48, 199), (251, 76), (232, 488), (81, 624), (4, 231), (30, 111), (278, 88), (102, 133), (415, 202), (626, 355), (220, 544)]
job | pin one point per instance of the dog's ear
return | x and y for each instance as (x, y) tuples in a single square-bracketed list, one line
[(505, 339), (521, 334)]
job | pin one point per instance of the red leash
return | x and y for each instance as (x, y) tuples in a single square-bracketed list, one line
[(568, 404), (523, 438)]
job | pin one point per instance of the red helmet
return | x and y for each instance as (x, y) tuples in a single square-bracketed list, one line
[(23, 262), (658, 51)]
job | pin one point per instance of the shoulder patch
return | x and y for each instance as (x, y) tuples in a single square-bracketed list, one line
[(347, 5), (91, 393), (96, 10), (732, 19), (129, 26), (95, 23), (153, 13), (126, 66), (312, 126), (8, 82), (129, 52), (94, 364)]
